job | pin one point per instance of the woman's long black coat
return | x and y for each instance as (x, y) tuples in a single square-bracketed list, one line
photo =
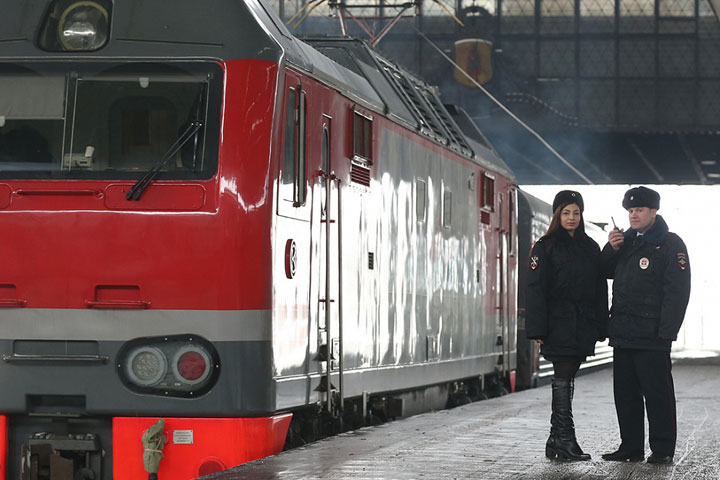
[(566, 296)]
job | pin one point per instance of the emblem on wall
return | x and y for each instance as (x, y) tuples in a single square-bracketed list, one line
[(474, 57), (644, 263)]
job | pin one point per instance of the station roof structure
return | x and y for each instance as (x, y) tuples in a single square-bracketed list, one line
[(626, 91)]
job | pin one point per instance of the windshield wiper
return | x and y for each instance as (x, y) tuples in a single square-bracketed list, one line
[(140, 186)]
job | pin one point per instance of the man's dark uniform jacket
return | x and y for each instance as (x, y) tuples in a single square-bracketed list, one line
[(651, 288)]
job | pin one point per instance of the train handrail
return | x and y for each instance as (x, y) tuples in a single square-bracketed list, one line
[(14, 358), (69, 192)]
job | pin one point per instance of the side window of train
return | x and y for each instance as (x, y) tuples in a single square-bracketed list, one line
[(420, 196), (512, 219), (294, 152), (488, 192), (288, 174), (293, 180), (300, 161), (362, 136), (325, 154), (447, 208)]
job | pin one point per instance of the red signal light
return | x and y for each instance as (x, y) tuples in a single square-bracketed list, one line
[(191, 365)]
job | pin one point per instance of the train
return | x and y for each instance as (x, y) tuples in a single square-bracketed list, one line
[(247, 236)]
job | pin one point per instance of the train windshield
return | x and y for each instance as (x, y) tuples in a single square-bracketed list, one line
[(108, 121)]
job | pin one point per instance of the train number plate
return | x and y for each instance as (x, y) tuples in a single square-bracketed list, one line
[(183, 437)]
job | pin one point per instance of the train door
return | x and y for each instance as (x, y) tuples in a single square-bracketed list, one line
[(507, 326), (292, 236), (502, 285), (326, 226)]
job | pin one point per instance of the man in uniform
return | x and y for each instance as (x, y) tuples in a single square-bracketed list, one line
[(651, 288)]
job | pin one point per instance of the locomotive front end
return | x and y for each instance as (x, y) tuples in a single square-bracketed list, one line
[(134, 150)]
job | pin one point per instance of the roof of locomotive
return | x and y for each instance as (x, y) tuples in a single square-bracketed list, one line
[(402, 97), (234, 29)]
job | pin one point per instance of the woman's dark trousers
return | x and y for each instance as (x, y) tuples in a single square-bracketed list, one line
[(562, 443)]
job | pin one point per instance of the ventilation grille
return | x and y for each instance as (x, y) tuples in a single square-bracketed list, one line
[(485, 217), (429, 111), (360, 174), (371, 260)]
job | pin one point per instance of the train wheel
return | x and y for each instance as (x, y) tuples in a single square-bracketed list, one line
[(457, 400)]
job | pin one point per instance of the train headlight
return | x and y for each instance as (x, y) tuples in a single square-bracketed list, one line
[(83, 26), (76, 26), (176, 366), (146, 366)]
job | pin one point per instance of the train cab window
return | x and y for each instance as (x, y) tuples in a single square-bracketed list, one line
[(487, 192), (109, 121), (362, 136), (447, 209), (420, 196), (294, 163), (143, 126)]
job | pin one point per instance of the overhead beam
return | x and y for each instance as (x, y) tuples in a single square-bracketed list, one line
[(692, 159), (715, 4), (518, 154), (644, 159)]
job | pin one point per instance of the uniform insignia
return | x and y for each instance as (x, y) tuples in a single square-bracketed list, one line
[(644, 263), (682, 261), (534, 262)]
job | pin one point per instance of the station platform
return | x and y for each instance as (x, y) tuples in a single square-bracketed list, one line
[(504, 438)]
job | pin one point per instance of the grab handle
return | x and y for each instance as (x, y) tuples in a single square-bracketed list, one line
[(131, 304), (12, 303)]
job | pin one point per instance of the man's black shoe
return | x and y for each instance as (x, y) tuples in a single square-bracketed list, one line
[(622, 456), (657, 458)]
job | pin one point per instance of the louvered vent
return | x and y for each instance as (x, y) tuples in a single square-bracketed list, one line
[(360, 174), (485, 217), (413, 99), (449, 123)]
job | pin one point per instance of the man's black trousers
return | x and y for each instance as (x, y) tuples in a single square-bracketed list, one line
[(638, 375)]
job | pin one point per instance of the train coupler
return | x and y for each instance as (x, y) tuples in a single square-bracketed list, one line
[(46, 456)]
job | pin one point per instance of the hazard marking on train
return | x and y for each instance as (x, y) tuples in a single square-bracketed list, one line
[(534, 262), (644, 263), (183, 437), (682, 261)]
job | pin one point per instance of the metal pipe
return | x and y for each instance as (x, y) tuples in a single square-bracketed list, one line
[(387, 28), (339, 302), (328, 317)]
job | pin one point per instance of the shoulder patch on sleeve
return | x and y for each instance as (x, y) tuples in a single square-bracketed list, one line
[(682, 260), (534, 262)]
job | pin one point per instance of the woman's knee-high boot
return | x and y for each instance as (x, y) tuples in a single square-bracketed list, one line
[(562, 443)]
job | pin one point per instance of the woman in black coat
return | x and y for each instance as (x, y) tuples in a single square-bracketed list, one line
[(566, 311)]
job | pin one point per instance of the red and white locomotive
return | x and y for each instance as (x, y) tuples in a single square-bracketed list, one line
[(209, 221)]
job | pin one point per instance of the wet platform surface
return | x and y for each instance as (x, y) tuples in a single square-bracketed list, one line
[(504, 438)]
